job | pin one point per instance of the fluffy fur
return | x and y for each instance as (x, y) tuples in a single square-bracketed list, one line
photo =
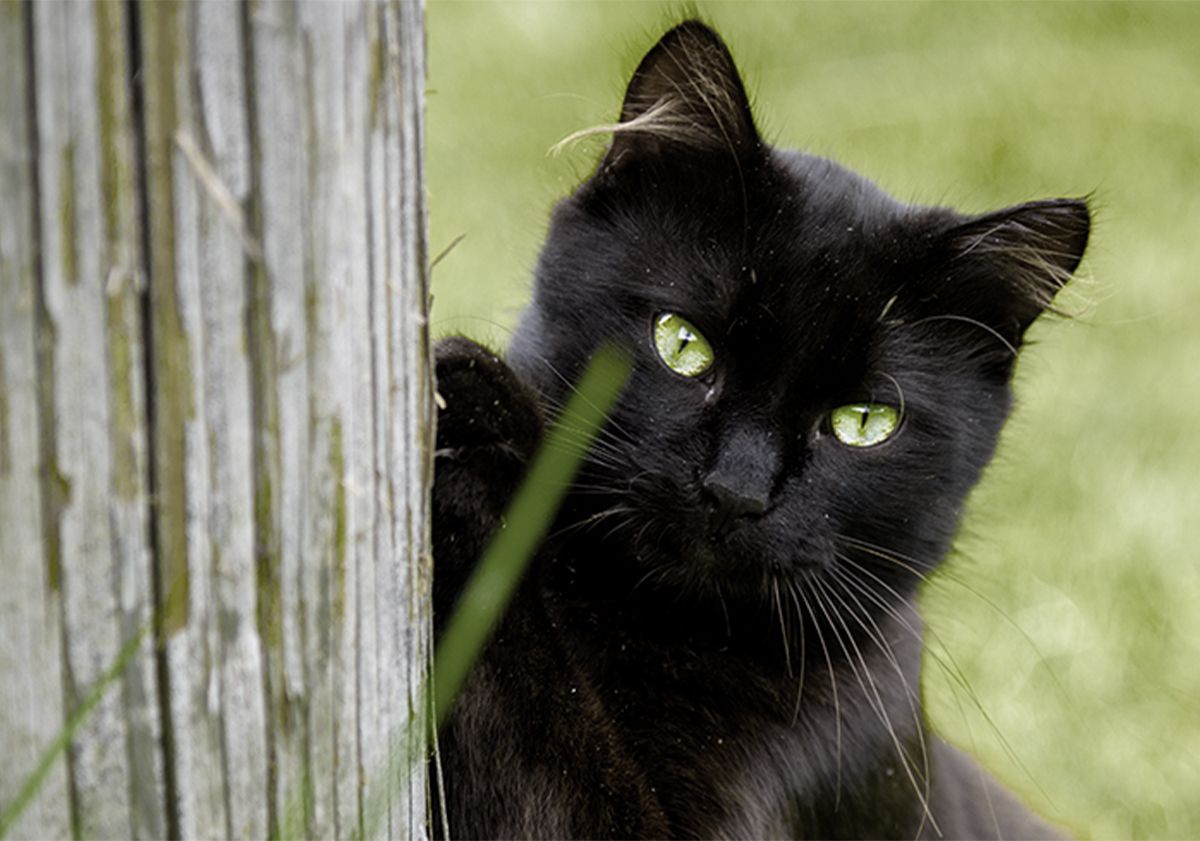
[(719, 638)]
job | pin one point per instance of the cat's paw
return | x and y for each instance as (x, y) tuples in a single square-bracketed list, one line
[(488, 428), (484, 410)]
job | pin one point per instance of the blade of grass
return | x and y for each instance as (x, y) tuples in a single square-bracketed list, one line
[(529, 515), (487, 593), (13, 811)]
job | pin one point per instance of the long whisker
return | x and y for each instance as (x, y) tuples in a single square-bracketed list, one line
[(803, 654), (950, 666), (912, 565), (837, 709), (590, 521), (974, 322), (874, 699), (787, 651), (611, 422), (844, 578), (874, 632)]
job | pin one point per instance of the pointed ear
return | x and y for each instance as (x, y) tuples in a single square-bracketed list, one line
[(1006, 267), (685, 93)]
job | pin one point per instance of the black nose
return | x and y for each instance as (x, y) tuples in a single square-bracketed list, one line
[(733, 502), (739, 485)]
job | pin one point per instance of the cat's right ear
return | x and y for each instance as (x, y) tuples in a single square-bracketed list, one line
[(686, 94), (1003, 269)]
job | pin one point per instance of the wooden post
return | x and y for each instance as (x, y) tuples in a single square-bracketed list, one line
[(215, 419)]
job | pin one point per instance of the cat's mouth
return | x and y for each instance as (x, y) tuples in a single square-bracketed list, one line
[(734, 555), (681, 539), (724, 525)]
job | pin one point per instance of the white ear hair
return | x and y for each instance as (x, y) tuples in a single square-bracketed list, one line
[(1038, 245), (665, 120), (686, 92)]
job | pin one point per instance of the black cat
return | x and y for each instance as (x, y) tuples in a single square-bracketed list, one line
[(720, 637)]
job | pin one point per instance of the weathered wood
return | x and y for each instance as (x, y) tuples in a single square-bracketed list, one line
[(91, 409), (198, 141), (30, 611), (413, 469), (402, 393), (215, 416)]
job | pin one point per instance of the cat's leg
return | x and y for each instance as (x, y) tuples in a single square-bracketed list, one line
[(488, 427)]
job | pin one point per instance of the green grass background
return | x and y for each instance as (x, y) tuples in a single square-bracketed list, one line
[(1072, 602)]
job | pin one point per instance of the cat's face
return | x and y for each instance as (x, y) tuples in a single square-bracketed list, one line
[(820, 372)]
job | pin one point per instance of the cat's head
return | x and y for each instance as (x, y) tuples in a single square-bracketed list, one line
[(821, 372)]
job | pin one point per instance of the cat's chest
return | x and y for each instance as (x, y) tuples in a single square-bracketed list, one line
[(714, 743), (729, 746)]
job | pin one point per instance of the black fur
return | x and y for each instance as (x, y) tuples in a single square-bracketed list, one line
[(678, 661)]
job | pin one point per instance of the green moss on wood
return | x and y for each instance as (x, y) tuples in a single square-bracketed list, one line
[(173, 386), (110, 92), (300, 805), (56, 488), (125, 423), (269, 602), (69, 252), (117, 189), (264, 367), (264, 370)]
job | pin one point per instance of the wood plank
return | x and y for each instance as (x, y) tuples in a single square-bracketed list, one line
[(283, 170), (408, 67), (289, 392), (214, 658), (220, 125), (92, 406), (336, 121), (184, 548), (399, 244), (124, 286), (378, 684), (31, 654), (356, 503)]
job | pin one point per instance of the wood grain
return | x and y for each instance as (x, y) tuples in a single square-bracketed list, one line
[(215, 416)]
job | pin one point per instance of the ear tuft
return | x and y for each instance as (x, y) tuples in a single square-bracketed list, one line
[(1025, 255), (686, 92)]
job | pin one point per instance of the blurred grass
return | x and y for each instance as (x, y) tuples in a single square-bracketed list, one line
[(1082, 638)]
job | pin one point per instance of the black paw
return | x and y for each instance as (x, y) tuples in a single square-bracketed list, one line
[(482, 405), (488, 428)]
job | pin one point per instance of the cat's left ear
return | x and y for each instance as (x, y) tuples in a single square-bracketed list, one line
[(1006, 267), (686, 95)]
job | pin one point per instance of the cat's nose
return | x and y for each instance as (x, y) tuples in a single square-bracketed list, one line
[(739, 486), (733, 502)]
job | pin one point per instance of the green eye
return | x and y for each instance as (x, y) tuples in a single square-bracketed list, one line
[(681, 346), (864, 424)]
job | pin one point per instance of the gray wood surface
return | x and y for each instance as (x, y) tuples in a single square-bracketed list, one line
[(215, 418), (31, 690)]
